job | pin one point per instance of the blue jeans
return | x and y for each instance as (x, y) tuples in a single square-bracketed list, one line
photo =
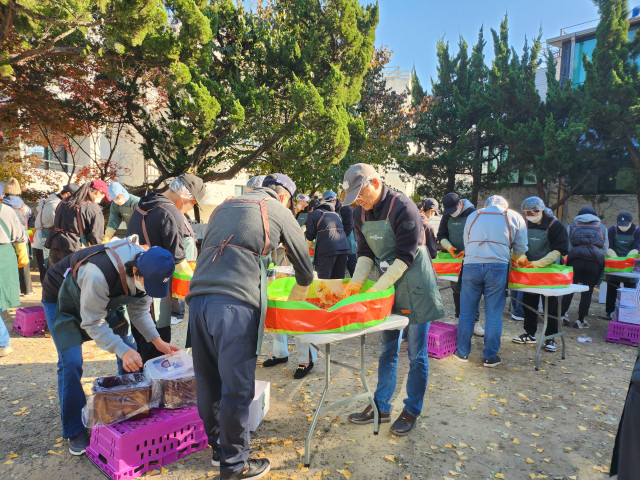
[(4, 333), (418, 368), (490, 280), (516, 306), (70, 392)]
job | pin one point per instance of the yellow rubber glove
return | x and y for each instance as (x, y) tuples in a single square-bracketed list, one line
[(632, 252), (390, 277), (23, 256), (548, 259), (298, 293), (611, 253), (360, 275), (519, 258), (310, 244), (184, 267), (108, 234)]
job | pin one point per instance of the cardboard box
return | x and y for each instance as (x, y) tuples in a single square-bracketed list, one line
[(626, 315), (602, 294), (626, 297), (260, 404)]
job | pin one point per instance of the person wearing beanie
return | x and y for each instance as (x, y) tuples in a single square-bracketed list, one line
[(44, 225), (79, 221), (13, 240), (123, 204), (588, 244), (12, 198)]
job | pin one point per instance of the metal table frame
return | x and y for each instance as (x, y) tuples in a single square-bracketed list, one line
[(396, 323)]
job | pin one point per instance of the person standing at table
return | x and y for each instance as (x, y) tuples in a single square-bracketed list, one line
[(489, 236), (455, 212), (388, 228), (227, 307), (123, 204), (588, 243), (624, 240), (547, 243), (12, 237), (44, 225), (159, 221), (346, 215), (429, 208)]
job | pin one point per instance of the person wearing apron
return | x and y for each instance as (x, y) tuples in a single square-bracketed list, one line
[(624, 239), (13, 254), (227, 306), (123, 204), (159, 220), (450, 235), (489, 237), (83, 296), (388, 229), (548, 242)]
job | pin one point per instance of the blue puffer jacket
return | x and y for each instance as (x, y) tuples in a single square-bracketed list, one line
[(23, 211), (325, 227)]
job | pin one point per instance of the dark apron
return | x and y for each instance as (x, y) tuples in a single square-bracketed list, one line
[(417, 295), (623, 243), (539, 245), (302, 218), (456, 232), (9, 280)]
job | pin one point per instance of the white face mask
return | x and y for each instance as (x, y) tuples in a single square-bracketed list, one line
[(98, 199), (119, 201), (535, 219), (457, 212), (624, 229), (139, 285)]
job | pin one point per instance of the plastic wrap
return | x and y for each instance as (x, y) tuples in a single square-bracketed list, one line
[(172, 380), (118, 398)]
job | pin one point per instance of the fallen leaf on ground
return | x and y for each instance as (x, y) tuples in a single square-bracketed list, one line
[(582, 429), (344, 473), (528, 460), (499, 475), (390, 458)]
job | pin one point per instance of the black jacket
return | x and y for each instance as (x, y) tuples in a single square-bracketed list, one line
[(429, 237), (325, 227), (66, 230), (346, 214), (443, 229)]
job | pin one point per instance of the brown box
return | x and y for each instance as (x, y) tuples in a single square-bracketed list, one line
[(179, 393), (120, 398)]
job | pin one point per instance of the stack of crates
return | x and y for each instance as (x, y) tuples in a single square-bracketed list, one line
[(30, 321), (625, 321)]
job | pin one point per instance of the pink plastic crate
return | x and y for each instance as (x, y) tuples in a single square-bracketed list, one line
[(129, 449), (626, 333), (442, 339), (30, 321)]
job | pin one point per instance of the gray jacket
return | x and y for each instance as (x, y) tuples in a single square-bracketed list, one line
[(10, 218), (490, 238), (236, 271), (589, 218)]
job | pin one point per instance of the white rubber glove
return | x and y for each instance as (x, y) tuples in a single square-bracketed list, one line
[(390, 277), (446, 244), (611, 253), (632, 252), (548, 259), (298, 293), (360, 275)]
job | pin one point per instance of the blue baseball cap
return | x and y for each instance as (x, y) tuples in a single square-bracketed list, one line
[(156, 266), (329, 196), (624, 218)]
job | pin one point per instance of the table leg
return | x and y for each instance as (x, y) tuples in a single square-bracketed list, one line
[(376, 425), (544, 330), (564, 348), (312, 427)]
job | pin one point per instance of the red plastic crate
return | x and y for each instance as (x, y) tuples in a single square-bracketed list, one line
[(442, 339), (129, 449), (625, 333), (30, 321)]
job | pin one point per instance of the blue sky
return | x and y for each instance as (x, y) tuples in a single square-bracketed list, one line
[(411, 28)]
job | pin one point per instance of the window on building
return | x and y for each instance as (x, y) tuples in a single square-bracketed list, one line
[(52, 160), (239, 190)]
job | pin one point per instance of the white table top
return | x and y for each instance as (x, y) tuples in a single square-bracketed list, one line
[(448, 278), (632, 275), (393, 322), (554, 292)]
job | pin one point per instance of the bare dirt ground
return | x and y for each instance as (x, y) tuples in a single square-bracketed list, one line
[(509, 422)]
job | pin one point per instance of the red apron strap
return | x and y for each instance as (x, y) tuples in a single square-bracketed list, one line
[(144, 223)]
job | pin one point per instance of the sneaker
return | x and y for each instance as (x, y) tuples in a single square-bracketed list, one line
[(550, 345), (478, 330), (517, 317), (460, 357), (565, 319), (5, 351), (606, 316), (176, 320), (524, 338), (581, 324), (253, 469), (78, 444), (29, 294), (492, 362), (215, 458)]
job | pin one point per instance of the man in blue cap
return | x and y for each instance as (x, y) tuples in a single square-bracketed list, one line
[(123, 204), (227, 304)]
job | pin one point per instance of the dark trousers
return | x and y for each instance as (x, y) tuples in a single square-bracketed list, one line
[(224, 340), (352, 259), (612, 291), (531, 301), (24, 274), (585, 272), (146, 349), (625, 461), (38, 253), (330, 266)]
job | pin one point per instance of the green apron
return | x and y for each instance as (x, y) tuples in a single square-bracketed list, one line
[(9, 280), (417, 294), (539, 245), (623, 243), (302, 218), (456, 232)]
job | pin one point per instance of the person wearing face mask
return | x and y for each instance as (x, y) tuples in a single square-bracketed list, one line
[(123, 204), (159, 221), (227, 306), (83, 297), (548, 242), (388, 228), (624, 239), (450, 235), (78, 222), (429, 208)]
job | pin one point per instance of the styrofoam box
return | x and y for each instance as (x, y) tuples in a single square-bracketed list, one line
[(626, 297), (260, 404), (627, 315), (602, 294)]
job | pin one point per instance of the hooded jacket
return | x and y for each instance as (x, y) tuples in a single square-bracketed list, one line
[(22, 209), (325, 226), (66, 234), (596, 251), (443, 229)]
